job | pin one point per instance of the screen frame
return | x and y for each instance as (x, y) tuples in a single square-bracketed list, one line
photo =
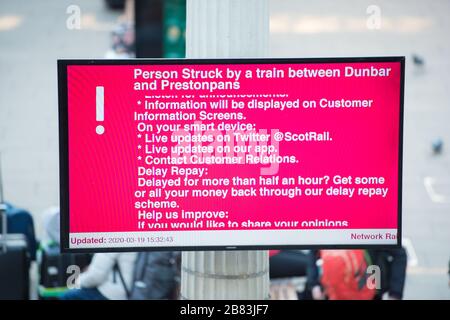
[(62, 65)]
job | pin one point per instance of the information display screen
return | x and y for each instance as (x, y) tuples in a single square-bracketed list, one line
[(226, 154)]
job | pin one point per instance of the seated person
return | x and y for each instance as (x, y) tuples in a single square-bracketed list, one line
[(101, 281)]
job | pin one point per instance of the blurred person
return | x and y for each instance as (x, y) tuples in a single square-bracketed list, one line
[(123, 35), (101, 281), (313, 288), (343, 275), (325, 280), (128, 14), (51, 223), (393, 263), (287, 263)]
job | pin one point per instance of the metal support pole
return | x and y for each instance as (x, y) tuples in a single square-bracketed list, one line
[(226, 29)]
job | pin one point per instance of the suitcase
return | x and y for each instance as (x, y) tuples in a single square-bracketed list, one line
[(53, 265), (14, 265), (21, 221)]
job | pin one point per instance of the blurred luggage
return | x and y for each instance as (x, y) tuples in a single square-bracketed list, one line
[(21, 221), (14, 263), (53, 266), (53, 269)]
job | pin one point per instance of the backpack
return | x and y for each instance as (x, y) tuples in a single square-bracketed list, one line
[(156, 276), (344, 274)]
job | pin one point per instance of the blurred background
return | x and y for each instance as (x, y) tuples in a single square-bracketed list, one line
[(34, 34)]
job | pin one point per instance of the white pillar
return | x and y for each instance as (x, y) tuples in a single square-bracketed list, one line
[(226, 29)]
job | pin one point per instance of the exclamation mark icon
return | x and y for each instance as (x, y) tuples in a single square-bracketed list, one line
[(100, 108)]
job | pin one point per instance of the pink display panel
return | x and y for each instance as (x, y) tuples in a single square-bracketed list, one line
[(209, 154)]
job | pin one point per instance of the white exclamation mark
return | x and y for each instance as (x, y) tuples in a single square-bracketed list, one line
[(100, 108)]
